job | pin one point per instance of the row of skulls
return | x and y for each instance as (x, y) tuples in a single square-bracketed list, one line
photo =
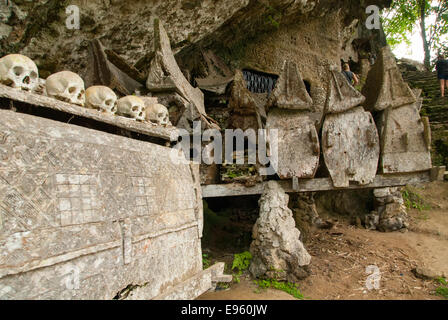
[(19, 71)]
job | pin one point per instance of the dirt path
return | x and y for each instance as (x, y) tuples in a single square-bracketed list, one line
[(341, 255)]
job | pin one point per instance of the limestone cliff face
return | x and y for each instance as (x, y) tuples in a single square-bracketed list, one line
[(246, 33)]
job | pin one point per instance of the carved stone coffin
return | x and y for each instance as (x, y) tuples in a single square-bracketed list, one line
[(405, 140), (350, 146), (84, 214), (298, 143)]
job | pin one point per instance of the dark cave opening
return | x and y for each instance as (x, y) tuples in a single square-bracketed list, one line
[(228, 223), (307, 86)]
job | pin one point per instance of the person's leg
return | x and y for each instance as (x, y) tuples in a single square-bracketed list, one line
[(442, 87), (446, 83)]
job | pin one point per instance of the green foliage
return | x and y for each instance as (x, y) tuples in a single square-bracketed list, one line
[(223, 285), (443, 289), (233, 171), (205, 261), (413, 200), (404, 15), (442, 281), (273, 16), (241, 262), (288, 287), (399, 21)]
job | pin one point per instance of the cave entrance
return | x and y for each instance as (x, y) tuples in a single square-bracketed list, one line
[(228, 223)]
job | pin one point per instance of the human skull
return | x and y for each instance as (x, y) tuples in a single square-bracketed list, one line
[(66, 86), (101, 98), (19, 71), (158, 114), (132, 107)]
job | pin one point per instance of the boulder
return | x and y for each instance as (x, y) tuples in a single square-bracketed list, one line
[(276, 248), (392, 215)]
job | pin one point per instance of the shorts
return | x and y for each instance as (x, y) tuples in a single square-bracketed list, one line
[(442, 76)]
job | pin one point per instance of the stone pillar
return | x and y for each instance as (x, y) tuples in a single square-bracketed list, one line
[(390, 210), (276, 249)]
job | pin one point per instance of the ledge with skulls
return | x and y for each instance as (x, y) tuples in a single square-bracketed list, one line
[(19, 71), (158, 114), (101, 98), (132, 107), (66, 86)]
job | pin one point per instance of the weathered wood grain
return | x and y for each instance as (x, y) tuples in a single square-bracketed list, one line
[(298, 143), (351, 147), (385, 86), (290, 91), (341, 96), (317, 184), (405, 140), (38, 101)]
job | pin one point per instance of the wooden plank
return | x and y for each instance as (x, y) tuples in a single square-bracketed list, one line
[(351, 147), (317, 184), (405, 140), (36, 100), (298, 143)]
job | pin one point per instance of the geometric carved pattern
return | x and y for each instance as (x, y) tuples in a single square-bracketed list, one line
[(76, 197), (72, 197), (144, 193)]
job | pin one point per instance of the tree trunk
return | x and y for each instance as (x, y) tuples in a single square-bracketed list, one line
[(426, 48)]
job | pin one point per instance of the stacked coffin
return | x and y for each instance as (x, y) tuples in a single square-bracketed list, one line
[(350, 140), (290, 109), (405, 136), (167, 82)]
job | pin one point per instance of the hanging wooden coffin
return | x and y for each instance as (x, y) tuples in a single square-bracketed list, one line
[(385, 86), (298, 143), (405, 140), (351, 147)]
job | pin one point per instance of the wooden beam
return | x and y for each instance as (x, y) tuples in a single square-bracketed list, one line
[(317, 184), (39, 101)]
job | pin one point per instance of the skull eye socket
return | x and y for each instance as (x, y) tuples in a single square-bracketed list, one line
[(108, 102), (71, 90), (33, 75), (160, 115), (135, 108), (17, 70)]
